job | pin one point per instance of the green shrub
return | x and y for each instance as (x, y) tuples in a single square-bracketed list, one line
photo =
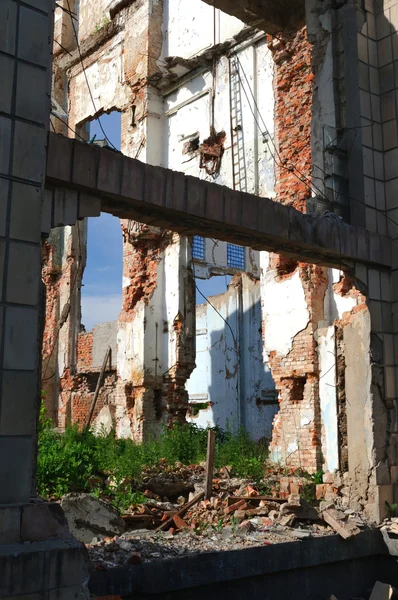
[(77, 460)]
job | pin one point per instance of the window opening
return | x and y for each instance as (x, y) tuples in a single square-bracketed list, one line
[(198, 247), (236, 256)]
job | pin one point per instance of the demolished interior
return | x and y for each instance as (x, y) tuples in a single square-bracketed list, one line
[(289, 350)]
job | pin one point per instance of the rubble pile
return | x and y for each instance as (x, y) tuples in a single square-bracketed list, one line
[(176, 520)]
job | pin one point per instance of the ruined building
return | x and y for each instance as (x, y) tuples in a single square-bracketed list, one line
[(273, 127), (289, 351)]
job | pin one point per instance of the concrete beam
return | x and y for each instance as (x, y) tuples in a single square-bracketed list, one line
[(111, 182), (269, 15)]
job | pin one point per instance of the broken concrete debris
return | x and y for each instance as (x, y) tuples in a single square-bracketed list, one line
[(237, 516), (88, 517)]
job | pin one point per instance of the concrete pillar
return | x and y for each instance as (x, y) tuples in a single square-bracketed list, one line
[(25, 59), (156, 331), (30, 569)]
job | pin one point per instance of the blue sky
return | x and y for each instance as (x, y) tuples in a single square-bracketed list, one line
[(102, 280)]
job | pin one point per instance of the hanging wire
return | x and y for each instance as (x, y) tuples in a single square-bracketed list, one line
[(293, 168)]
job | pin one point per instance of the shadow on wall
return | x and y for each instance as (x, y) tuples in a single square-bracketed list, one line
[(231, 386)]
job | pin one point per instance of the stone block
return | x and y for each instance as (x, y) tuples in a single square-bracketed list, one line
[(46, 211), (8, 22), (32, 106), (390, 162), (104, 335), (44, 5), (327, 234), (34, 48), (386, 251), (68, 567), (31, 571), (382, 474), (175, 190), (16, 470), (29, 152), (25, 223), (66, 593), (23, 258), (232, 207), (363, 244), (22, 573), (249, 210), (2, 264), (89, 206), (394, 474), (19, 403), (348, 240), (65, 207), (196, 196), (385, 282), (110, 171), (374, 284), (5, 144), (300, 229), (386, 315), (155, 185), (376, 315), (374, 248), (20, 338), (85, 159), (7, 80), (43, 521), (384, 493), (4, 187), (10, 524), (215, 202), (391, 388), (133, 177), (361, 273), (59, 157)]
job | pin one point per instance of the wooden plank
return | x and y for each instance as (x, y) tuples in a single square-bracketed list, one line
[(98, 386), (211, 443), (181, 512), (180, 523)]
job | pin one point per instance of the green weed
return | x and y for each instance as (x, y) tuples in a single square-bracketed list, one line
[(105, 466)]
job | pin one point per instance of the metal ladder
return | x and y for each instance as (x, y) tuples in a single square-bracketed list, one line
[(239, 176)]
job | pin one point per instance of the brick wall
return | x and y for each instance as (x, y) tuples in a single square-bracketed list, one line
[(296, 435), (84, 351), (293, 88)]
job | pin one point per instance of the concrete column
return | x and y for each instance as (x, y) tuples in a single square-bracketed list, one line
[(57, 568), (25, 65)]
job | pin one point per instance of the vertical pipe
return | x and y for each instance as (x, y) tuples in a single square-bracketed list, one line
[(257, 133)]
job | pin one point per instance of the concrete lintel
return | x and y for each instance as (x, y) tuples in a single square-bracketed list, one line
[(163, 198), (269, 15)]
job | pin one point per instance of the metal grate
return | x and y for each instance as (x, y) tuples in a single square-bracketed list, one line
[(198, 247), (235, 256)]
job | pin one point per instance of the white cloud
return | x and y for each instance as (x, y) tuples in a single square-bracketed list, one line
[(102, 269), (100, 309)]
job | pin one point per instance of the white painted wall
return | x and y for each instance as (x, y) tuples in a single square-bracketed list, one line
[(106, 79), (327, 395), (189, 28), (284, 309), (230, 372), (187, 113)]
